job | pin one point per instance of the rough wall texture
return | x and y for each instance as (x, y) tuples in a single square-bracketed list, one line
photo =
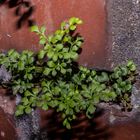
[(51, 13), (124, 20), (124, 23), (7, 128)]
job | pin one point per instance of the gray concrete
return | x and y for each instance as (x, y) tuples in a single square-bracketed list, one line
[(124, 27), (28, 126), (5, 76), (124, 23)]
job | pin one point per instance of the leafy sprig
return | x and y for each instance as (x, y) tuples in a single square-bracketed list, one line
[(50, 78)]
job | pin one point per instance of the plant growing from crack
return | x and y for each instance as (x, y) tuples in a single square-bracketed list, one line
[(51, 78)]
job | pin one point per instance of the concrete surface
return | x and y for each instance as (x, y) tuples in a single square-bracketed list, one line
[(124, 21)]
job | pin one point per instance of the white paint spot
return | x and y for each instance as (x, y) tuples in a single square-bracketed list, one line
[(9, 35), (2, 133), (112, 118)]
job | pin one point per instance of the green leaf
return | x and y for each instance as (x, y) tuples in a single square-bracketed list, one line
[(69, 70), (19, 112), (51, 64), (31, 60), (65, 121), (41, 54), (118, 91), (79, 43), (124, 71), (34, 29), (112, 95), (42, 41), (28, 110), (59, 47), (117, 74), (57, 37), (74, 55), (55, 58), (79, 21), (91, 109), (63, 71), (32, 100), (86, 94), (66, 39), (35, 90), (45, 106), (75, 20), (25, 101), (10, 52), (68, 125), (50, 54), (96, 100), (66, 56), (66, 50), (39, 104), (61, 106), (27, 93), (89, 113), (128, 87), (75, 48), (43, 29), (67, 111), (44, 89), (72, 104), (130, 63), (47, 71), (50, 38), (63, 64), (43, 83), (54, 73), (123, 84), (58, 68), (47, 47), (30, 76), (21, 65), (73, 27), (133, 68), (104, 77)]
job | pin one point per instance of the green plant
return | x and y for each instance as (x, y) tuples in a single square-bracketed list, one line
[(51, 78)]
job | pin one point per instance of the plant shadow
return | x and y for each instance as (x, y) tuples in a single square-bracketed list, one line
[(23, 10), (82, 128)]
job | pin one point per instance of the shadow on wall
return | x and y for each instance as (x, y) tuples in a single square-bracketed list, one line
[(82, 128), (23, 10)]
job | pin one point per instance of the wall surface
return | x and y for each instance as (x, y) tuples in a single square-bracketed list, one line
[(7, 129), (123, 18), (51, 13)]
